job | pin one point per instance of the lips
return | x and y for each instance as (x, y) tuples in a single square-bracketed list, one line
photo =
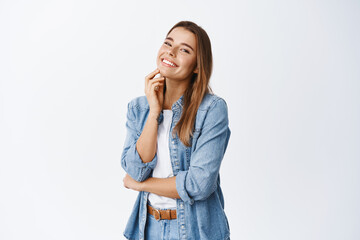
[(168, 63)]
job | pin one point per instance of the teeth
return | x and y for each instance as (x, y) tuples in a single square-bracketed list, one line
[(170, 63)]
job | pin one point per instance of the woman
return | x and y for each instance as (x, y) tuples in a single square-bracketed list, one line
[(176, 139)]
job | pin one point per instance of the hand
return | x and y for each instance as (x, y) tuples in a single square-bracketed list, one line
[(154, 91), (130, 183)]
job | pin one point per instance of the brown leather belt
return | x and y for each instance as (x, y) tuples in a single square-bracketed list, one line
[(161, 214)]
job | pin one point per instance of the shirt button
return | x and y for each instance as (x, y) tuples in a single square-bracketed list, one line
[(182, 227), (176, 163), (173, 142), (181, 205)]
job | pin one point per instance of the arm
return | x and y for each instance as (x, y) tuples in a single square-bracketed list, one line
[(146, 144), (200, 180), (138, 157), (131, 161), (161, 186)]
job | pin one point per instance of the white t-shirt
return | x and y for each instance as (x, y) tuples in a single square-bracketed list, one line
[(163, 167)]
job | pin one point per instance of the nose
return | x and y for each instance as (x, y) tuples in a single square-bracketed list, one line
[(171, 52)]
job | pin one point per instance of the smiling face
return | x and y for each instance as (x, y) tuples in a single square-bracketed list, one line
[(177, 56)]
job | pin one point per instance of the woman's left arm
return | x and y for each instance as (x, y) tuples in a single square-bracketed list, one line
[(200, 180), (161, 186)]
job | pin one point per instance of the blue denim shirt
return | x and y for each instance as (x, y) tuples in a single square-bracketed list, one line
[(200, 211)]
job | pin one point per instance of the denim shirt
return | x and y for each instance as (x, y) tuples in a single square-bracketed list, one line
[(200, 209)]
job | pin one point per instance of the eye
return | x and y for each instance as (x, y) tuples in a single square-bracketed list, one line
[(184, 50), (167, 43)]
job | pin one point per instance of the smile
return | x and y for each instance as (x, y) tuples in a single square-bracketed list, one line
[(167, 62)]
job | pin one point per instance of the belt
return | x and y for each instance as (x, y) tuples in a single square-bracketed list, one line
[(161, 214)]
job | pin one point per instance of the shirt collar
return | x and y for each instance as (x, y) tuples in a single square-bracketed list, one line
[(179, 103)]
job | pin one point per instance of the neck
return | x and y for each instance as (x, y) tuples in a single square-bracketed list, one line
[(174, 90)]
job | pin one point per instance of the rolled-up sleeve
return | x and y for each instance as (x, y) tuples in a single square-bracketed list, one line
[(130, 158), (200, 180)]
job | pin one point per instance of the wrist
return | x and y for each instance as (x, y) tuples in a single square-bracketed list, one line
[(154, 115), (141, 186)]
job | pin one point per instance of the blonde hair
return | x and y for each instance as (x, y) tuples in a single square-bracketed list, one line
[(199, 84)]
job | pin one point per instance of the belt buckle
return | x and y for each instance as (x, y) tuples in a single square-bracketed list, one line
[(158, 213)]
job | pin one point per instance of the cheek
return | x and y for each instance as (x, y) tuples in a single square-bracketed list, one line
[(158, 55), (160, 52), (192, 62), (158, 59)]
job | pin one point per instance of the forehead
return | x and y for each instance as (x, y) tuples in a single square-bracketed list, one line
[(181, 35)]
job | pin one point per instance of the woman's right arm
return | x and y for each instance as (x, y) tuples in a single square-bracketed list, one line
[(139, 154), (131, 160), (146, 144)]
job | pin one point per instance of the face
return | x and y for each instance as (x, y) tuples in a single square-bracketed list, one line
[(177, 56)]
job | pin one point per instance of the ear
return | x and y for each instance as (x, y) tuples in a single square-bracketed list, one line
[(196, 70)]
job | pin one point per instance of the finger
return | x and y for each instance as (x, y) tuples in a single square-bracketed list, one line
[(153, 81), (159, 88), (160, 79), (152, 74), (156, 86), (151, 84)]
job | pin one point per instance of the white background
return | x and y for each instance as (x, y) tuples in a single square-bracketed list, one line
[(289, 71)]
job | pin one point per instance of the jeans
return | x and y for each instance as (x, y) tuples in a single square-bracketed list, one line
[(161, 230)]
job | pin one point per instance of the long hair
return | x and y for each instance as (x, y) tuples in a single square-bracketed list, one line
[(199, 84)]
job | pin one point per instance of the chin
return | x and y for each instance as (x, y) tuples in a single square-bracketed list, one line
[(163, 71)]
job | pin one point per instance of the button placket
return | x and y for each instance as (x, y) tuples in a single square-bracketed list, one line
[(173, 140)]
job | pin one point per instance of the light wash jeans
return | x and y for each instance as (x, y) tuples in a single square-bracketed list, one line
[(161, 230)]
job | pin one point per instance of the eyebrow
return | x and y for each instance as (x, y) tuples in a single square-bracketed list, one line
[(169, 38)]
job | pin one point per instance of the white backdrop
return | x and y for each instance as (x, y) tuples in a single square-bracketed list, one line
[(289, 71)]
